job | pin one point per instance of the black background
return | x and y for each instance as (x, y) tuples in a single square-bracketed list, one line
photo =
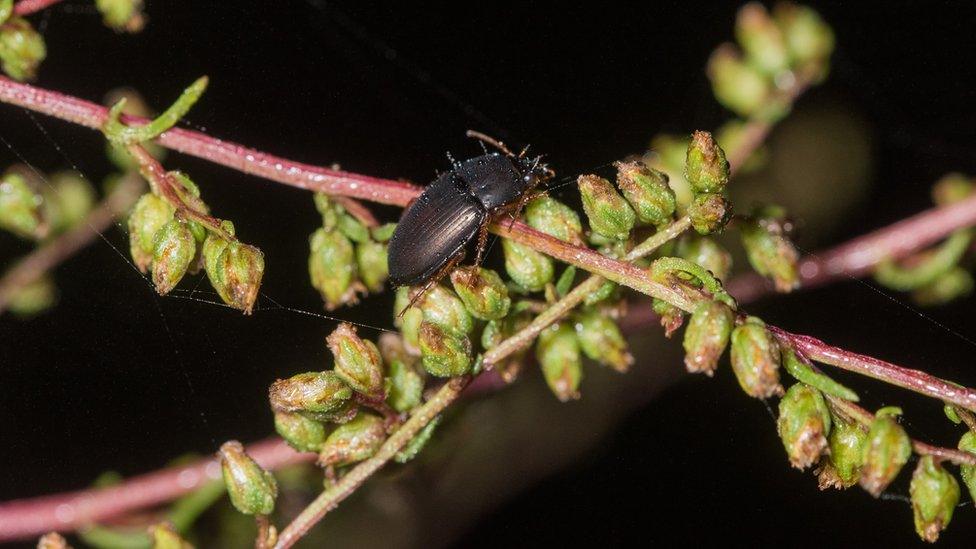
[(117, 378)]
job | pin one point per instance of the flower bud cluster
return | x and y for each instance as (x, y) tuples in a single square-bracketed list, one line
[(346, 258)]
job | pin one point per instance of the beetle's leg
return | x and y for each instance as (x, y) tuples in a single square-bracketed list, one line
[(437, 276), (482, 243)]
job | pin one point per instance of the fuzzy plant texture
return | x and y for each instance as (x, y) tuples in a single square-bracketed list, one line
[(557, 305)]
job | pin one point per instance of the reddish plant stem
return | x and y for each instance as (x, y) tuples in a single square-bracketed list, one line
[(52, 253), (226, 153), (913, 380), (21, 519), (865, 418), (341, 183), (27, 7), (858, 257)]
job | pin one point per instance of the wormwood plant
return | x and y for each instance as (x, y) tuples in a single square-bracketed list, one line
[(560, 300)]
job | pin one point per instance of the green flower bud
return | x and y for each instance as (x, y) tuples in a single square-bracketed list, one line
[(352, 227), (444, 352), (332, 267), (554, 218), (148, 216), (68, 200), (707, 335), (52, 540), (761, 39), (482, 291), (671, 317), (884, 453), (737, 86), (948, 286), (417, 443), (173, 251), (252, 490), (354, 441), (122, 15), (843, 467), (318, 395), (497, 331), (952, 188), (21, 49), (373, 267), (383, 233), (558, 353), (406, 386), (935, 494), (808, 38), (707, 253), (528, 268), (213, 246), (600, 339), (647, 191), (301, 433), (710, 213), (706, 168), (803, 425), (20, 207), (769, 249), (357, 361), (755, 359), (34, 298), (444, 308), (609, 214), (968, 472), (409, 321), (236, 275)]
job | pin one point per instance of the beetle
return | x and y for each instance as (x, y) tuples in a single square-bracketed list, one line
[(457, 206)]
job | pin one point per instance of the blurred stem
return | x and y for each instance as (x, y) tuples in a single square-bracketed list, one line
[(52, 253), (757, 129), (865, 418), (27, 7)]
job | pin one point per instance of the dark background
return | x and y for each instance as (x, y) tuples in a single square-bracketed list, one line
[(118, 378)]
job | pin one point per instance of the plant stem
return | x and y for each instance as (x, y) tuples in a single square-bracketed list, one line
[(865, 418), (859, 256), (330, 498), (165, 185), (339, 183), (27, 7), (226, 153), (913, 380), (524, 337), (20, 519), (756, 130), (52, 253)]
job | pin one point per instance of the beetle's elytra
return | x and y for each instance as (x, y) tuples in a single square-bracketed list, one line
[(459, 205)]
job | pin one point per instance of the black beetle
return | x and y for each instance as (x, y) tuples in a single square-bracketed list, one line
[(460, 204)]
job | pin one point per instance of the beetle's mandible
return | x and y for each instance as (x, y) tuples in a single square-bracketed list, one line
[(456, 207)]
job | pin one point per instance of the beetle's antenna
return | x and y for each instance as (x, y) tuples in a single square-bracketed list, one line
[(490, 140)]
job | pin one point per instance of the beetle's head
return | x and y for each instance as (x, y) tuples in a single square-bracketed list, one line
[(533, 171)]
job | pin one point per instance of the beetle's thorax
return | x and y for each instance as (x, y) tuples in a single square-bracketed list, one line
[(495, 180)]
